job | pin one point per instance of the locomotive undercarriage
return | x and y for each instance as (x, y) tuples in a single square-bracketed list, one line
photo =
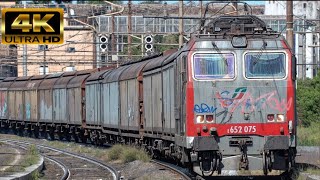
[(210, 159)]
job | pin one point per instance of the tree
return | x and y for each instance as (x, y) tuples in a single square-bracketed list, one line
[(308, 100)]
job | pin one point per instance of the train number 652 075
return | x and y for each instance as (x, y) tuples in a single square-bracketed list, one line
[(242, 129)]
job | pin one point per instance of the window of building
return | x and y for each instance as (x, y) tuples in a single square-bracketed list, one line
[(71, 49)]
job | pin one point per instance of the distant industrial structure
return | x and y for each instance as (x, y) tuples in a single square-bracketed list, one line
[(306, 29), (96, 36), (8, 54)]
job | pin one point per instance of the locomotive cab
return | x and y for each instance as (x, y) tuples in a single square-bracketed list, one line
[(240, 100)]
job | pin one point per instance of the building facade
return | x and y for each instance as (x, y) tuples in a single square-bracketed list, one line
[(8, 53), (76, 53), (306, 33)]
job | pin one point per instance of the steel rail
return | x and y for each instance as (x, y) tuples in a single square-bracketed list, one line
[(112, 170), (65, 169), (170, 166)]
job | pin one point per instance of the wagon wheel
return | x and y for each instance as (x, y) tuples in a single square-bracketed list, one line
[(15, 129), (36, 132), (60, 135), (67, 135), (75, 137), (44, 134), (51, 134), (264, 163)]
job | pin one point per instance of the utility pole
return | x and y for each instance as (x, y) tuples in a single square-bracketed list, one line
[(289, 33), (201, 9), (129, 30), (113, 37), (235, 5), (142, 45), (25, 59), (180, 23), (25, 56), (44, 59)]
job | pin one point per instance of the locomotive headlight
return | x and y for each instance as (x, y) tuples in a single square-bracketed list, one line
[(270, 117), (280, 118), (209, 119), (200, 118)]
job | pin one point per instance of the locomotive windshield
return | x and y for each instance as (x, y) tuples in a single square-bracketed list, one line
[(213, 66), (266, 65)]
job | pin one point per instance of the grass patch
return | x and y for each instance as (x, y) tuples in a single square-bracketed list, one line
[(313, 171), (30, 158), (123, 153), (309, 136), (306, 171), (115, 152), (127, 154)]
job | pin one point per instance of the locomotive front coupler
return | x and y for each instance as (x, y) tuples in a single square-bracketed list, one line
[(244, 162)]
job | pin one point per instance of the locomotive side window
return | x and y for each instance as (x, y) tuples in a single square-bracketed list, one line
[(266, 65), (213, 66)]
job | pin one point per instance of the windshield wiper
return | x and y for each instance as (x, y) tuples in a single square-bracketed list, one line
[(263, 47), (215, 47)]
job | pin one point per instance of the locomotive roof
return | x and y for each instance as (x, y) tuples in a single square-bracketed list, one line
[(225, 27)]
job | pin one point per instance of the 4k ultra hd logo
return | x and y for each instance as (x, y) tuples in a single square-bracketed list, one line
[(32, 26)]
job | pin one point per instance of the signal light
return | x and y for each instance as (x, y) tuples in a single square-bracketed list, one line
[(103, 42), (148, 39), (148, 44)]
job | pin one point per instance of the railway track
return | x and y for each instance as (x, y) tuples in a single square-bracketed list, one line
[(54, 155), (74, 166), (66, 170), (178, 170)]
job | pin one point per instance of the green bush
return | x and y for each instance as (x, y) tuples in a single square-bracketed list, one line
[(115, 152), (309, 136), (308, 101), (127, 154), (131, 154)]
